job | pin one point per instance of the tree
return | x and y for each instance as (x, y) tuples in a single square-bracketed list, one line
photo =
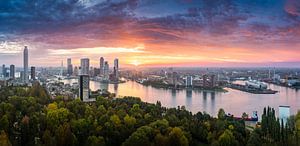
[(4, 141), (48, 139), (227, 139), (129, 121), (64, 136), (95, 141), (115, 120), (52, 106), (254, 139), (39, 92), (140, 137), (4, 123), (56, 117), (221, 114), (177, 137)]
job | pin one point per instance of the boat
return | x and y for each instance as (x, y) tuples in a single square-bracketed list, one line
[(253, 118)]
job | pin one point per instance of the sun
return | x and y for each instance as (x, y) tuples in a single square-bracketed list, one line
[(135, 62)]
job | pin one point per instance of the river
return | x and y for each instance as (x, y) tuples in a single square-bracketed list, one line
[(234, 101)]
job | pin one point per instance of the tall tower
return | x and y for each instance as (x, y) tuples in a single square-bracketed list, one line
[(101, 66), (84, 87), (3, 70), (85, 65), (32, 71), (116, 69), (12, 71), (25, 62), (106, 70), (69, 67), (62, 68)]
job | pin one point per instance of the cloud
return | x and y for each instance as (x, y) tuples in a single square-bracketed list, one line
[(293, 7), (95, 51), (164, 28)]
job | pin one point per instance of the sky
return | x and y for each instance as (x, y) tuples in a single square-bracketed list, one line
[(189, 33)]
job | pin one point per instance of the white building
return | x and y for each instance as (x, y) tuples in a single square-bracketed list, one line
[(189, 81), (284, 113)]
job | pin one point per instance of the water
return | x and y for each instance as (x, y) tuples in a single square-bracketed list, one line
[(234, 102)]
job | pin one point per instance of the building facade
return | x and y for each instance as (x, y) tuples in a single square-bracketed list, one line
[(101, 66), (12, 71), (106, 70), (25, 63), (32, 73), (69, 67), (84, 87), (189, 81), (85, 66)]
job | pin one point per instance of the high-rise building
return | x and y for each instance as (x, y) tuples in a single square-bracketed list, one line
[(25, 62), (189, 81), (116, 68), (61, 69), (32, 73), (205, 80), (213, 81), (96, 71), (76, 71), (175, 78), (69, 67), (101, 66), (116, 63), (84, 87), (85, 66), (3, 70), (106, 70), (12, 71)]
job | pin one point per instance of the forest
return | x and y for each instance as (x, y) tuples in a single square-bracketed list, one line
[(28, 116)]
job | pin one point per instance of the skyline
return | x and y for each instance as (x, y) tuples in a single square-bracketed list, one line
[(180, 33)]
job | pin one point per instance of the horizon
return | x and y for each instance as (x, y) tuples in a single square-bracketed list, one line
[(180, 33)]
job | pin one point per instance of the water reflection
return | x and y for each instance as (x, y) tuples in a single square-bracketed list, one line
[(189, 95), (212, 97), (234, 101)]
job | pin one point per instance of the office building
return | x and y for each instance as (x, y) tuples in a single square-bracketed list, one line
[(3, 70), (101, 66), (12, 71), (96, 71), (32, 73), (76, 72), (213, 81), (189, 81), (69, 67), (25, 63), (85, 66), (205, 80), (175, 78), (116, 69), (84, 87), (106, 70)]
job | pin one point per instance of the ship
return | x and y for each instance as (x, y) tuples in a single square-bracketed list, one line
[(253, 118)]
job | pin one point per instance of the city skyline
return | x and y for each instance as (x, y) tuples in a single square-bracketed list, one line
[(180, 33)]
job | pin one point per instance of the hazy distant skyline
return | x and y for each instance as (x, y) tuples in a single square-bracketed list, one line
[(225, 33)]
